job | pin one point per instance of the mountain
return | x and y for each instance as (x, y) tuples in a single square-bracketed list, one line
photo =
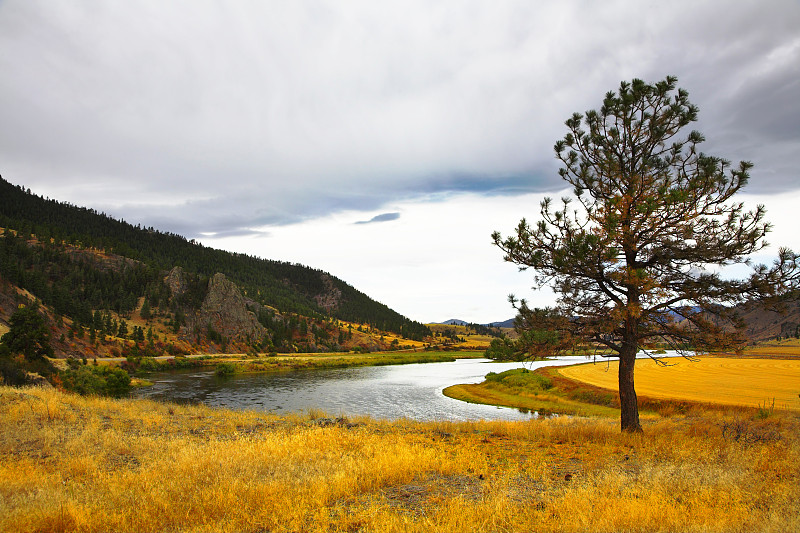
[(764, 324), (762, 321), (453, 322), (90, 268), (504, 324), (458, 322)]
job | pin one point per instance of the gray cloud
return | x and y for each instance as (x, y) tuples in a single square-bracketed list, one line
[(385, 217), (237, 233), (211, 117)]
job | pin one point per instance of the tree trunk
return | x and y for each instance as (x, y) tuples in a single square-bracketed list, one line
[(629, 406)]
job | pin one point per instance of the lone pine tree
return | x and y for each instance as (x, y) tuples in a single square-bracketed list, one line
[(629, 258)]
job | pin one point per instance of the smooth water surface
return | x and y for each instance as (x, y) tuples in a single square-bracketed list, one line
[(399, 391)]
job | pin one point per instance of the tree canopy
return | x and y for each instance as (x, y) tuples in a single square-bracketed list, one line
[(635, 255), (27, 335)]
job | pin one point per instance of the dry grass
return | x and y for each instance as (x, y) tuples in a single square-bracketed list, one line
[(789, 347), (75, 464), (731, 381)]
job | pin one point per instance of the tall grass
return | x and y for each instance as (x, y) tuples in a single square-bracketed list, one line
[(69, 463)]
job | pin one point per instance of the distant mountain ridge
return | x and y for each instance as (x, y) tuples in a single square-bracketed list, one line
[(458, 322), (762, 324)]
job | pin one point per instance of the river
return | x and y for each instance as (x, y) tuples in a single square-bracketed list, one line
[(390, 392)]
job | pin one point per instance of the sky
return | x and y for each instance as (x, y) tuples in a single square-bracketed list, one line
[(382, 142)]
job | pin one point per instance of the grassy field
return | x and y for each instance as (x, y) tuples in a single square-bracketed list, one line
[(733, 381), (789, 347), (70, 463)]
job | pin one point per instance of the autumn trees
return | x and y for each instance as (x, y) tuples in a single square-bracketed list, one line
[(634, 255)]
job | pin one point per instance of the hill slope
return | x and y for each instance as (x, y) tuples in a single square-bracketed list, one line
[(80, 261)]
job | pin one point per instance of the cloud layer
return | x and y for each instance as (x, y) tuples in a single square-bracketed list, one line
[(218, 117), (290, 129)]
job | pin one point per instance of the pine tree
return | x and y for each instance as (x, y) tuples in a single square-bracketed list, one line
[(652, 210)]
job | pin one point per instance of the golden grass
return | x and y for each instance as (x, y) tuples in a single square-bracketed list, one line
[(732, 381), (69, 463), (775, 349)]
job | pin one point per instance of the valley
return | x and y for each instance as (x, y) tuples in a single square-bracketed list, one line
[(102, 301)]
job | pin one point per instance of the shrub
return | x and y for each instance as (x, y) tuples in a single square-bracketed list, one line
[(766, 410), (521, 378), (225, 369), (148, 364), (593, 397), (97, 380), (11, 372)]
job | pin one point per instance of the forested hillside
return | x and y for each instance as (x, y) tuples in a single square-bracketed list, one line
[(79, 262)]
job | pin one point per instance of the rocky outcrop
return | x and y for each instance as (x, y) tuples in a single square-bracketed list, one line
[(328, 300), (225, 311), (176, 281)]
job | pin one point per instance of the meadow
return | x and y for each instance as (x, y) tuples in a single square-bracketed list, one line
[(749, 381), (71, 463)]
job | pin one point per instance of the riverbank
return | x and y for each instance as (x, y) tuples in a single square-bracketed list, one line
[(591, 389), (542, 390), (248, 363), (70, 463)]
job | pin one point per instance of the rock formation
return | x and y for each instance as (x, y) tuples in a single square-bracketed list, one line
[(176, 281), (225, 311), (328, 300)]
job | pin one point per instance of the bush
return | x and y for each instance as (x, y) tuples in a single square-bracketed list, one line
[(14, 369), (148, 364), (520, 378), (594, 397), (97, 380), (225, 369), (11, 372)]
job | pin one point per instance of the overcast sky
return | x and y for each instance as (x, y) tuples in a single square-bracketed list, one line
[(380, 141)]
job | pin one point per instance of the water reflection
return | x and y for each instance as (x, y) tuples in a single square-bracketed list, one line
[(391, 392)]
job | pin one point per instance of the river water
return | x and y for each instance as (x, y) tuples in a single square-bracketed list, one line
[(391, 392)]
